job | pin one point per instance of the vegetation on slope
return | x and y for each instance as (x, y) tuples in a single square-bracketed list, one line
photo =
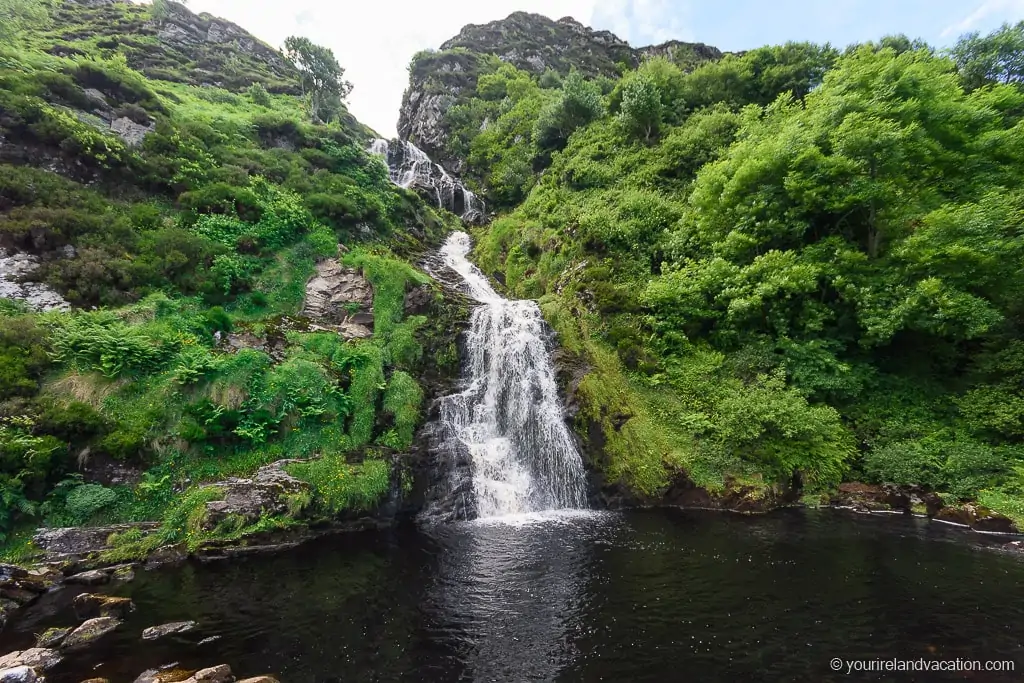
[(782, 269), (211, 224)]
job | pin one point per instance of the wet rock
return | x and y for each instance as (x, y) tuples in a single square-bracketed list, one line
[(123, 574), (7, 608), (52, 637), (211, 639), (39, 658), (250, 498), (93, 577), (12, 571), (170, 674), (97, 680), (168, 554), (214, 674), (89, 632), (419, 300), (976, 517), (90, 606), (155, 632), (18, 674), (340, 296), (260, 679)]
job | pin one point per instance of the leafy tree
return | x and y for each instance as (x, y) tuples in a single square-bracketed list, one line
[(641, 110), (995, 58), (578, 104), (322, 77)]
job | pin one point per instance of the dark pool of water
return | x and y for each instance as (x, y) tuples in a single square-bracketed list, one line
[(644, 596)]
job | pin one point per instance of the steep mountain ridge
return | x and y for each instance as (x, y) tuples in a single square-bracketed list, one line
[(532, 42)]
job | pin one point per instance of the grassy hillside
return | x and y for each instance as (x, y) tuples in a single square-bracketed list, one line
[(784, 269), (206, 224)]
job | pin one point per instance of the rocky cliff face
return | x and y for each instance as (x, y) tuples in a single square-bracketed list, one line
[(180, 46), (440, 80)]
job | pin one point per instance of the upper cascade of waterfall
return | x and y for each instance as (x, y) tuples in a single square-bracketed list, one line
[(411, 168), (504, 435)]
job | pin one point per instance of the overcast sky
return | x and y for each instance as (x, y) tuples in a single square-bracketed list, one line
[(374, 39)]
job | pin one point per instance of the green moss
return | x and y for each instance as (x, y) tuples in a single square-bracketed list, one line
[(341, 486)]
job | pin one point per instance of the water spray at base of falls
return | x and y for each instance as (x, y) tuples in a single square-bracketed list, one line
[(504, 436), (409, 167)]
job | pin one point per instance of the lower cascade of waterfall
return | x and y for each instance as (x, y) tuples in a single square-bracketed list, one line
[(411, 168), (504, 437)]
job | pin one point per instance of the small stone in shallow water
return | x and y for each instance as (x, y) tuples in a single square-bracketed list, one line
[(211, 639), (89, 632), (154, 632), (260, 679)]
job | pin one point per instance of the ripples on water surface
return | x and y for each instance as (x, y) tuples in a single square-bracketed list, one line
[(571, 596)]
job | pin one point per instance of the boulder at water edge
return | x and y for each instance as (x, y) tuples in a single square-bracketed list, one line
[(39, 658), (18, 674), (90, 632), (90, 605), (52, 637)]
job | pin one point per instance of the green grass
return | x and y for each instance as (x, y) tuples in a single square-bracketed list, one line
[(343, 486)]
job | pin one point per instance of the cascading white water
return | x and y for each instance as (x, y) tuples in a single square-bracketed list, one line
[(410, 167), (508, 419)]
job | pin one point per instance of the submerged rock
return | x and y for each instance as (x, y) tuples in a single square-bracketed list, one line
[(89, 632), (89, 606), (154, 632), (260, 679)]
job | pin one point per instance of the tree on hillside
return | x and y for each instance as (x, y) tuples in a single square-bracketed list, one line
[(323, 81), (578, 104), (995, 58), (641, 110), (17, 15)]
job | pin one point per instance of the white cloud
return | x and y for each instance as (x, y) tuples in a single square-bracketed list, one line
[(997, 10), (374, 39), (645, 22)]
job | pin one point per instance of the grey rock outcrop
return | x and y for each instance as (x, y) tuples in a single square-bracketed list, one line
[(341, 298), (79, 542), (15, 269), (266, 492), (440, 80), (132, 133)]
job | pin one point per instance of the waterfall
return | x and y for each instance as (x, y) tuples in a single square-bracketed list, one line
[(508, 448), (411, 168)]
